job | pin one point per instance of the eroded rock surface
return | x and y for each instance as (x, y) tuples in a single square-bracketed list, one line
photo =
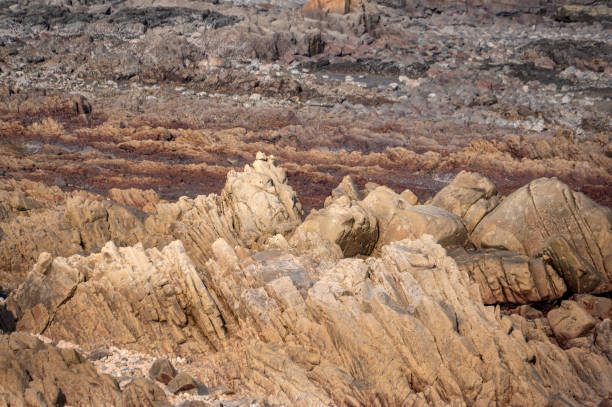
[(301, 328), (507, 277), (343, 223), (547, 216), (470, 196), (255, 204), (399, 219), (35, 373), (152, 299)]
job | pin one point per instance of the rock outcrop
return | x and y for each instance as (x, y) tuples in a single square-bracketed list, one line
[(406, 328), (470, 196), (33, 373), (507, 277), (261, 201), (151, 299), (254, 205), (343, 223), (546, 216), (398, 219)]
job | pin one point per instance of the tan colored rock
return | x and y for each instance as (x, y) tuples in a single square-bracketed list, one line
[(470, 196), (410, 197), (182, 382), (347, 187), (23, 238), (262, 202), (143, 392), (255, 205), (312, 7), (150, 300), (344, 223), (34, 373), (406, 328), (570, 321), (597, 307), (578, 273), (145, 200), (507, 277), (546, 208), (100, 221), (398, 219), (24, 195)]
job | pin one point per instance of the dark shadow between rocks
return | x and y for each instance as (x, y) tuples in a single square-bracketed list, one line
[(7, 319)]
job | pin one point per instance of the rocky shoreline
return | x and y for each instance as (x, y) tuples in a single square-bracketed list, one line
[(336, 203), (279, 309)]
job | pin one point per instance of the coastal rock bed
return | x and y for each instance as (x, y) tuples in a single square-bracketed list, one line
[(407, 101), (359, 203)]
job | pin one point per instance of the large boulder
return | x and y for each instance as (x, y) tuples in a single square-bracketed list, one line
[(398, 219), (344, 223), (546, 215), (470, 196), (507, 277)]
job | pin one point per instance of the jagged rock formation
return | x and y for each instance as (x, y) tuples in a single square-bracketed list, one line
[(254, 205), (124, 296), (33, 373), (277, 308), (406, 328), (507, 277), (546, 216), (137, 198)]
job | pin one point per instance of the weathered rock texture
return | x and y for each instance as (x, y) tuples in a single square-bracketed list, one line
[(398, 219), (546, 216), (507, 277), (254, 205), (570, 321), (343, 223), (33, 373), (408, 328), (124, 296), (470, 196)]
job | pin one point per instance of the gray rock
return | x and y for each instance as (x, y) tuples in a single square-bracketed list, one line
[(182, 382), (162, 371)]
